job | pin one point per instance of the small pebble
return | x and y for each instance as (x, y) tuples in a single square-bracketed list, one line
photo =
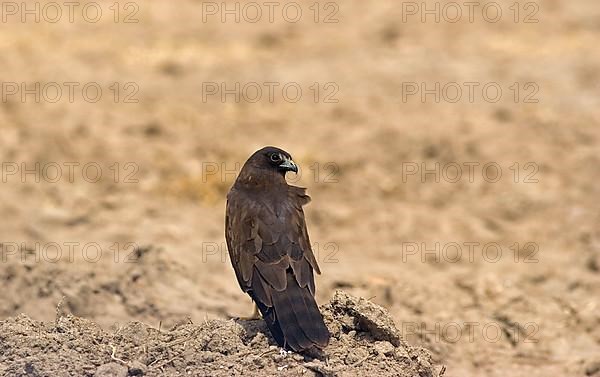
[(384, 348), (111, 370), (136, 368)]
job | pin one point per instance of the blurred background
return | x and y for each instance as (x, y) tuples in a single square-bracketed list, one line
[(451, 151)]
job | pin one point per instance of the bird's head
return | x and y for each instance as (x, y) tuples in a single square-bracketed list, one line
[(267, 162), (273, 159)]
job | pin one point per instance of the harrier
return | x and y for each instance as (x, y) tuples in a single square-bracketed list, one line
[(270, 250)]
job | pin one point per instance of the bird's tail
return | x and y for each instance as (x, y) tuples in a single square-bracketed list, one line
[(294, 320)]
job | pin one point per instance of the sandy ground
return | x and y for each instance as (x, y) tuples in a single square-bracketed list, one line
[(132, 228), (364, 342)]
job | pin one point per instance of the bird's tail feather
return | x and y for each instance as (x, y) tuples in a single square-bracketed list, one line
[(294, 319)]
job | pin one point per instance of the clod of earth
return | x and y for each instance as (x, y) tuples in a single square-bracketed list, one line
[(365, 342)]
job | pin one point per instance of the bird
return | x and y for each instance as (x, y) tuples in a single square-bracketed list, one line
[(270, 250)]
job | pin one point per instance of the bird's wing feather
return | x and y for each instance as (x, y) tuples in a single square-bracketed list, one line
[(260, 241), (272, 257)]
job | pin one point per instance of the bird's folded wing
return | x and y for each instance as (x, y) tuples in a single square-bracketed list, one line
[(265, 241)]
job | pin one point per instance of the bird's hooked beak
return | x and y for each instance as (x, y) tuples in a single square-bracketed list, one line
[(288, 165)]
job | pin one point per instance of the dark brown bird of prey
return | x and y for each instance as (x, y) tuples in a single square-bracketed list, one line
[(270, 250)]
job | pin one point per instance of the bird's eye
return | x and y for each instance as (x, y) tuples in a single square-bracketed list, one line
[(275, 157)]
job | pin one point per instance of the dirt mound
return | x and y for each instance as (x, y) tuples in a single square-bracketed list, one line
[(364, 342)]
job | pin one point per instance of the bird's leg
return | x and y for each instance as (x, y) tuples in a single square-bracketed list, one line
[(255, 314)]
